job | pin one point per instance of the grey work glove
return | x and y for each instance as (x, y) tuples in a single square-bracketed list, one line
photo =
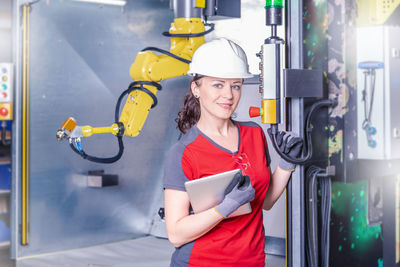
[(291, 145), (238, 192)]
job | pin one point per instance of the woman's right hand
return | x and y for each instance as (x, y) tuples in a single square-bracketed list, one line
[(239, 192), (183, 228)]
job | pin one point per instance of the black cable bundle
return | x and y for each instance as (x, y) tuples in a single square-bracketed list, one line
[(101, 160), (162, 51), (312, 217), (188, 35), (326, 191), (308, 130), (315, 174)]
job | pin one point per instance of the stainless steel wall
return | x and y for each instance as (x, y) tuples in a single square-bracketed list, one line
[(80, 58)]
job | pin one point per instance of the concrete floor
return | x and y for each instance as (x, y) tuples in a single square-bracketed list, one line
[(147, 251), (5, 260)]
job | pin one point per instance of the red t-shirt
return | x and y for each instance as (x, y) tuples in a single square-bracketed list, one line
[(237, 241)]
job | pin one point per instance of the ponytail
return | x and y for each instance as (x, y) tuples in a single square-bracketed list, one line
[(189, 114)]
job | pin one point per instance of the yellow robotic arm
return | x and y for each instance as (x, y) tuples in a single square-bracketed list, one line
[(147, 71), (150, 67)]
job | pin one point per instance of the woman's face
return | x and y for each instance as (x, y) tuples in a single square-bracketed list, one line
[(218, 97)]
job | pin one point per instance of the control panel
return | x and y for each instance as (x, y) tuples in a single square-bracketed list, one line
[(6, 89)]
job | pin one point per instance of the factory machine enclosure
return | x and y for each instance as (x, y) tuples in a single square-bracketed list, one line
[(79, 60)]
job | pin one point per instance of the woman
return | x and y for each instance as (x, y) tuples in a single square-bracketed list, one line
[(213, 143)]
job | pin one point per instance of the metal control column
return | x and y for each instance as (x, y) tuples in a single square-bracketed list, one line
[(270, 67)]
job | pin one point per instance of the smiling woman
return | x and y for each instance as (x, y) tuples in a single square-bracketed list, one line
[(214, 143), (218, 97)]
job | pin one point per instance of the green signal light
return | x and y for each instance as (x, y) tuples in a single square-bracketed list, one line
[(4, 86), (273, 4)]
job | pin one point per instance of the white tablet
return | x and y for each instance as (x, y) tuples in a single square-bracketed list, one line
[(207, 192)]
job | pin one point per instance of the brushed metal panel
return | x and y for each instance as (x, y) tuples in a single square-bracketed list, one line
[(392, 51)]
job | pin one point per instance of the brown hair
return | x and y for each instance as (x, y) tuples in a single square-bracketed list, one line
[(189, 114)]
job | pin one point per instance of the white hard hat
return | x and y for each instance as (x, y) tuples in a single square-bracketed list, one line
[(220, 58)]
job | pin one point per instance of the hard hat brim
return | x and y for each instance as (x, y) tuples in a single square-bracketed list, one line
[(224, 75)]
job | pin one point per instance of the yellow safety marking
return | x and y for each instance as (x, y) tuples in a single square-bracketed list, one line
[(201, 3), (25, 127), (268, 107), (27, 123), (23, 208)]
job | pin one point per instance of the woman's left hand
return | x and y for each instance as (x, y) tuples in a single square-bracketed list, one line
[(290, 144)]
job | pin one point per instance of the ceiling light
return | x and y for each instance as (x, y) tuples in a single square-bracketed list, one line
[(105, 2)]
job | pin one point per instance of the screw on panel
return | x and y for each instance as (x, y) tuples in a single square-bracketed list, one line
[(395, 53), (396, 133)]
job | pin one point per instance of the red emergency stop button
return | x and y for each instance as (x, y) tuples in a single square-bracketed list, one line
[(3, 112), (254, 112)]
